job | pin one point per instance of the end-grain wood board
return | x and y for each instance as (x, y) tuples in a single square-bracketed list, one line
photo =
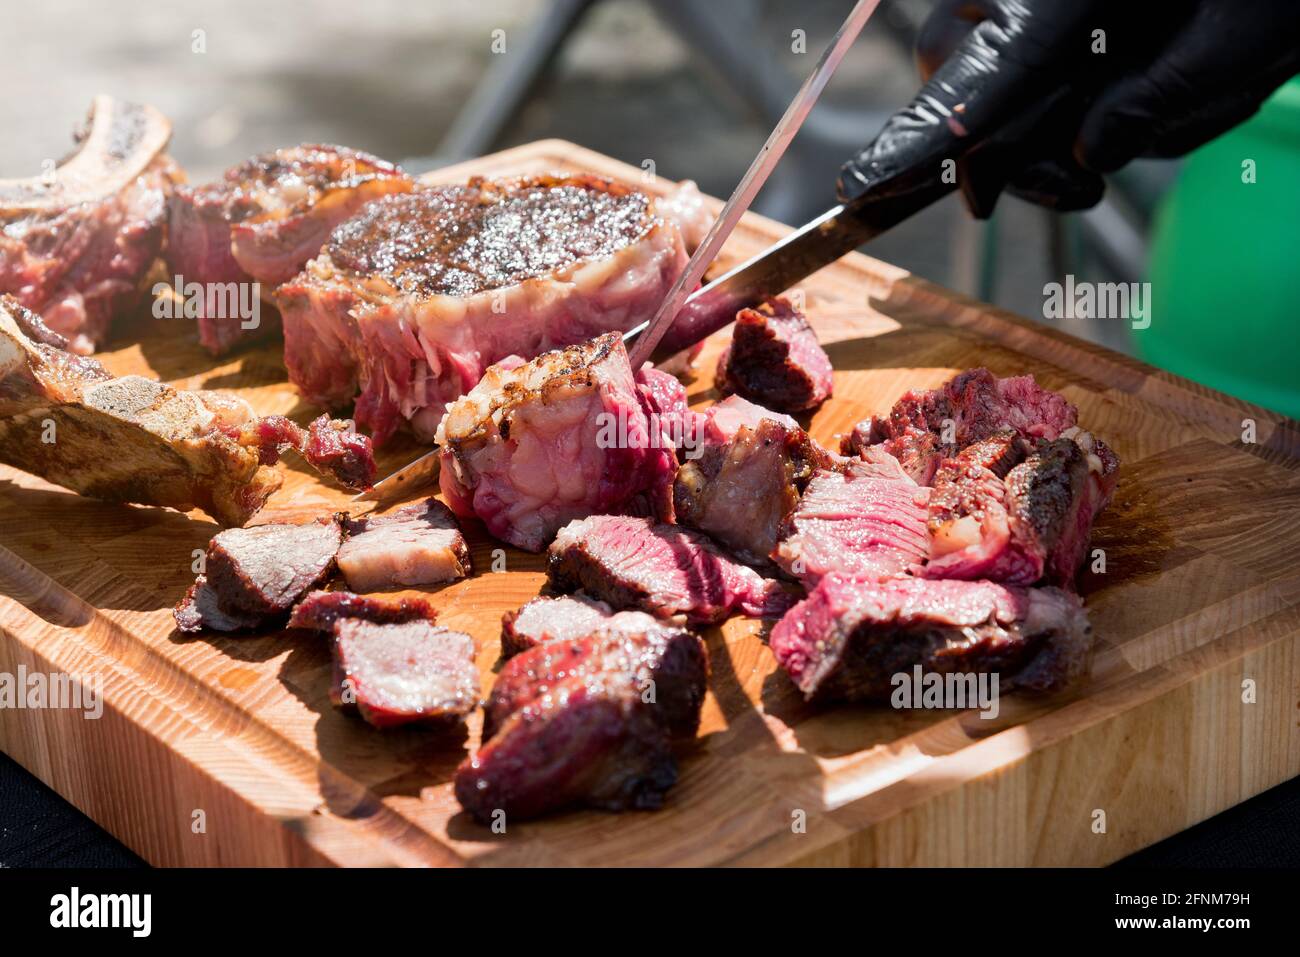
[(223, 750)]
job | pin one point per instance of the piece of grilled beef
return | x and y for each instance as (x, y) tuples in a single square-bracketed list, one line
[(926, 427), (265, 218), (774, 359), (665, 570), (587, 721), (537, 445), (414, 297), (131, 439), (253, 576), (741, 482), (416, 544), (319, 610), (850, 638), (567, 617), (868, 521), (76, 242)]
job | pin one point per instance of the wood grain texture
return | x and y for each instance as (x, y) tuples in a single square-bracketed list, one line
[(1200, 595)]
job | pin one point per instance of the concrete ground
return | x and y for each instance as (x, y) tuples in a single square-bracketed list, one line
[(389, 76)]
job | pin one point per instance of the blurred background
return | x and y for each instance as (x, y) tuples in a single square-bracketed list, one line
[(693, 86)]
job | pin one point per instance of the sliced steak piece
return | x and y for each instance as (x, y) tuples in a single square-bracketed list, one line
[(568, 617), (331, 446), (741, 488), (588, 721), (201, 610), (265, 569), (558, 438), (665, 570), (775, 359), (178, 449), (75, 245), (926, 427), (417, 544), (856, 523), (851, 636), (319, 610), (397, 673), (265, 218), (414, 297)]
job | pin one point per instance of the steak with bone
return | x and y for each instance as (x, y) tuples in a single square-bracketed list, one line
[(417, 544), (926, 427), (568, 617), (741, 482), (132, 439), (588, 721), (264, 219), (536, 445), (75, 244), (254, 576), (414, 297), (774, 359), (666, 570), (852, 635)]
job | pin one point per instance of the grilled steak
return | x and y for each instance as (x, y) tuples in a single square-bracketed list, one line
[(851, 636), (665, 570), (132, 439), (412, 298), (868, 522), (319, 610), (588, 721), (775, 359), (924, 428), (739, 485), (253, 576), (75, 244), (564, 436), (566, 618), (265, 218), (417, 544)]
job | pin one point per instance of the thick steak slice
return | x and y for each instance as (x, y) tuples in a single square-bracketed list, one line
[(74, 246), (265, 569), (414, 297), (665, 570), (851, 636), (587, 721), (565, 618), (417, 544), (265, 218), (536, 445), (394, 674), (740, 487), (319, 610), (774, 359), (856, 523)]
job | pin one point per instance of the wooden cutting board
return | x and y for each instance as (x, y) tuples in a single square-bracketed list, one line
[(226, 750)]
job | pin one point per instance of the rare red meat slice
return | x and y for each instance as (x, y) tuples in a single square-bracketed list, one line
[(775, 359), (926, 427), (75, 245), (417, 544), (740, 484), (568, 617), (398, 673), (264, 219), (414, 297), (254, 576), (588, 721), (665, 570), (868, 522), (132, 439), (534, 446), (319, 610), (1018, 521), (852, 635)]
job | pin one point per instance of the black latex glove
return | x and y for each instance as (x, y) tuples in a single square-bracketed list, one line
[(1020, 78)]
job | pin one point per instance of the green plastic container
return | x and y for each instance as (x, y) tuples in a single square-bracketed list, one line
[(1225, 263)]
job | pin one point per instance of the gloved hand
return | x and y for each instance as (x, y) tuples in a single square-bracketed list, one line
[(1026, 95)]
